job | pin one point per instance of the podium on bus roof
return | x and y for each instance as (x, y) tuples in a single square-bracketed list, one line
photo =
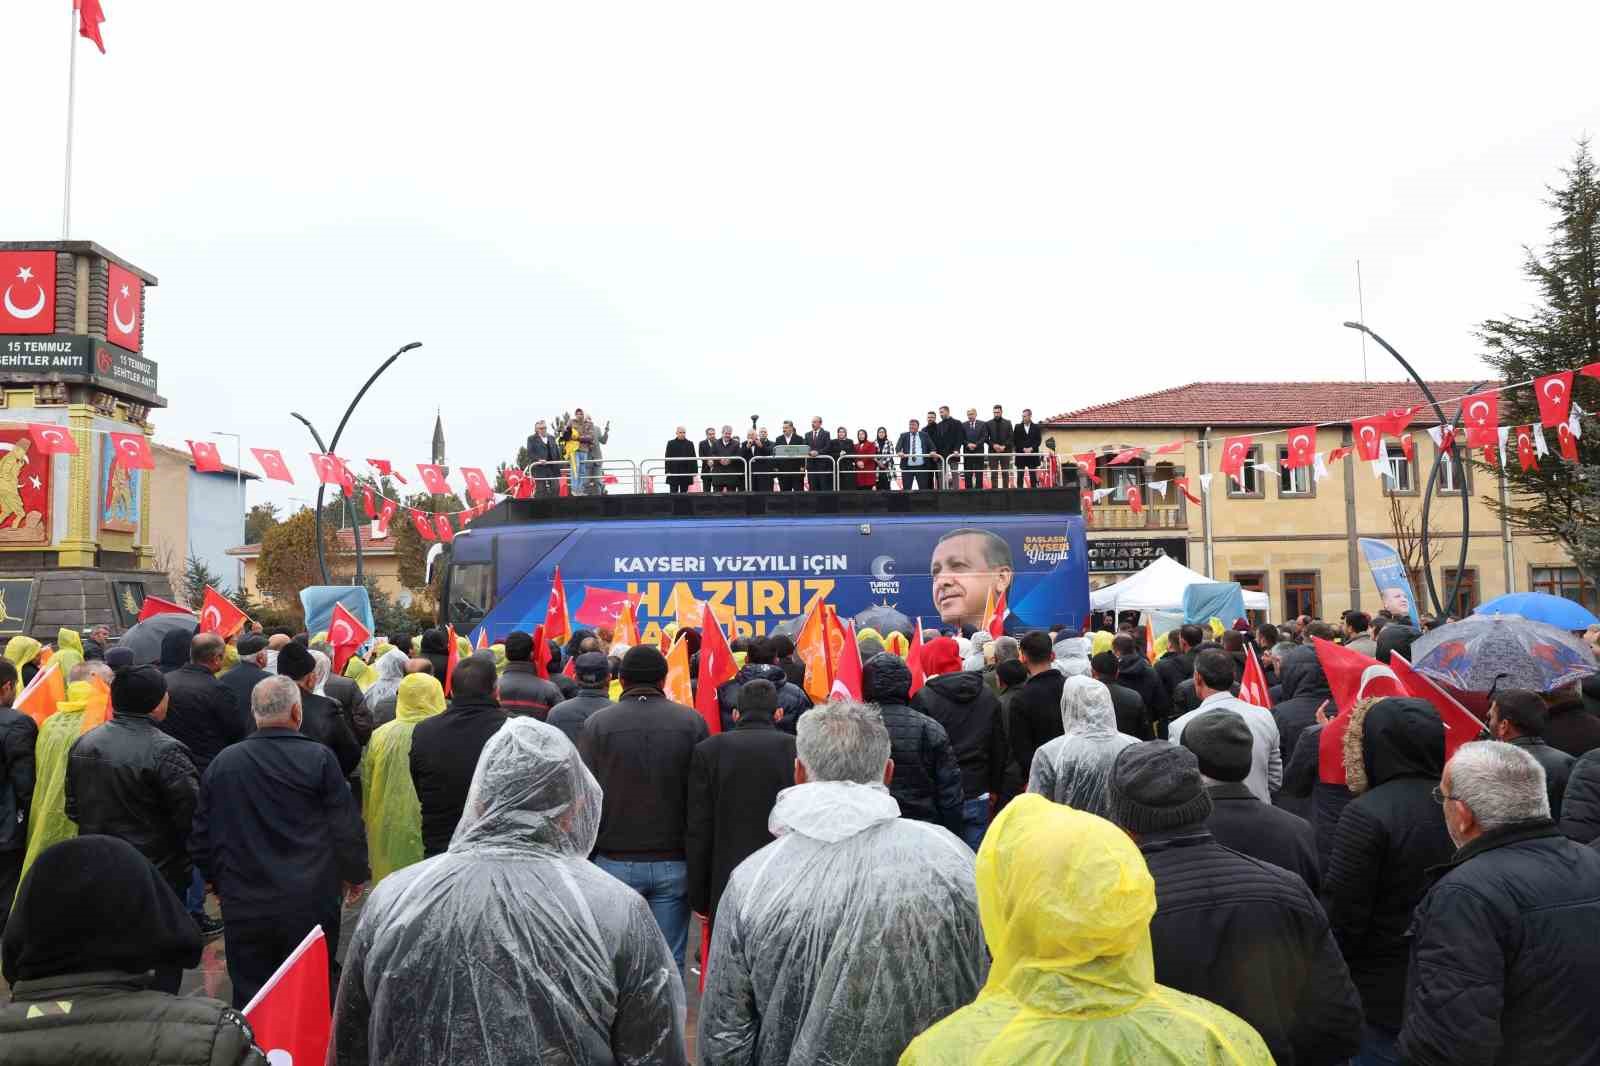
[(75, 544)]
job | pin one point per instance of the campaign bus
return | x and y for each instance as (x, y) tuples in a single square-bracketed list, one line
[(942, 568)]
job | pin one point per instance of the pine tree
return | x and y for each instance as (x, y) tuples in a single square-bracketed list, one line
[(196, 576), (1556, 501)]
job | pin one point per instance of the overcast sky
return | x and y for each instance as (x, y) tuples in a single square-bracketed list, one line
[(685, 213)]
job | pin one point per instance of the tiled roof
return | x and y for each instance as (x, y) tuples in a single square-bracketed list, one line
[(345, 538), (1260, 403)]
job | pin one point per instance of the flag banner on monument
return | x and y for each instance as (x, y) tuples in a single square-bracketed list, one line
[(43, 695), (154, 605), (1389, 574), (478, 489), (133, 451), (124, 307), (433, 479), (557, 623), (207, 460), (1554, 393), (29, 280), (346, 634), (89, 18), (290, 1016), (716, 668), (51, 439), (218, 615), (272, 464), (1253, 687)]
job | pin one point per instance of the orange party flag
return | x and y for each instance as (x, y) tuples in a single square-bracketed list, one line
[(97, 709), (678, 688), (43, 694)]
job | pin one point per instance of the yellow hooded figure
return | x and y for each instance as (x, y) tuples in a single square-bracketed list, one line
[(500, 660), (47, 815), (1065, 899), (1101, 641), (22, 650), (360, 672), (230, 657), (464, 647), (69, 651), (389, 803)]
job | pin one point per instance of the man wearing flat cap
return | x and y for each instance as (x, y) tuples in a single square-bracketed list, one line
[(130, 780), (322, 721)]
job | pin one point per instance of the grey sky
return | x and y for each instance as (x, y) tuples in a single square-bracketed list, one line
[(693, 213)]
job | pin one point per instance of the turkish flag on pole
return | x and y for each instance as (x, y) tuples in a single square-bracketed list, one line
[(716, 668), (290, 1015), (1368, 434), (1302, 447), (154, 605), (600, 606), (478, 489), (919, 673), (996, 623), (483, 640), (847, 678), (206, 458), (124, 303), (1482, 417), (52, 440), (1554, 393), (272, 464), (1235, 450), (452, 656), (433, 479), (345, 635), (1253, 687), (541, 651), (29, 288), (218, 615), (557, 624), (1460, 724), (89, 18)]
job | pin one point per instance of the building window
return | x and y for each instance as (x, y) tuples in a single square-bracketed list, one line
[(1452, 475), (1466, 600), (1297, 482), (1399, 478), (1251, 581), (1248, 486), (1302, 593), (1564, 581)]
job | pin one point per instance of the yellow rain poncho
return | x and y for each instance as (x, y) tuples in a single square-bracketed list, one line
[(1066, 901), (464, 647), (22, 650), (1101, 641), (69, 638), (360, 672), (230, 658), (500, 660), (47, 816), (389, 803)]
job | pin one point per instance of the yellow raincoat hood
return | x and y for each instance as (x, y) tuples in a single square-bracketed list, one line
[(69, 638), (1066, 900), (1101, 641), (389, 803), (47, 816), (22, 650)]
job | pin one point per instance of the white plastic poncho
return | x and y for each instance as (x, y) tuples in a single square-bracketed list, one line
[(1075, 768), (844, 938), (391, 667), (511, 947), (1072, 656)]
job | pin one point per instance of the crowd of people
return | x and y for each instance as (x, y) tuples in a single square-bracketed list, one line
[(1035, 848)]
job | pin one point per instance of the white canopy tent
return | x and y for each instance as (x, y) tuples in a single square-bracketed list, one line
[(1159, 587)]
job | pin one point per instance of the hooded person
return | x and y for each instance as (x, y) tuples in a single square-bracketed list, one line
[(511, 946), (1304, 690), (435, 647), (1388, 838), (927, 780), (389, 803), (1072, 657), (969, 711), (22, 651), (1074, 768), (1066, 903), (93, 919), (1396, 637), (761, 664), (48, 823), (389, 671), (855, 929), (69, 650)]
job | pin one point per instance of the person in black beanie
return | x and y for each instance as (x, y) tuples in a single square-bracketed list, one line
[(128, 779), (1243, 933), (92, 920), (322, 722), (1221, 741), (640, 750)]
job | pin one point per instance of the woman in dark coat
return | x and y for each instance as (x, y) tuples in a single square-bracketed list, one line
[(680, 461), (885, 459), (866, 469)]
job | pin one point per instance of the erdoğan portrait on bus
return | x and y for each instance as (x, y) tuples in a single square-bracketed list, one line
[(968, 567)]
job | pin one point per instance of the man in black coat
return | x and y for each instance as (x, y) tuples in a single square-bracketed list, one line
[(819, 467), (1503, 959), (277, 832), (593, 673), (1026, 440), (969, 711), (791, 472), (729, 462), (445, 750), (1242, 933), (1132, 717), (1580, 806), (999, 429), (18, 736), (761, 663), (680, 461), (320, 719), (734, 779), (640, 750), (1036, 707), (927, 778), (1571, 727), (757, 453), (917, 456), (1176, 667), (522, 691), (544, 457), (948, 436), (707, 451), (128, 779), (1518, 717), (974, 446), (1224, 746), (1134, 671), (202, 712), (1388, 838), (348, 697), (1304, 690), (249, 671)]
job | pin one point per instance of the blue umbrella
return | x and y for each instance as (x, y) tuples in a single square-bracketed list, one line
[(1479, 653), (1556, 611)]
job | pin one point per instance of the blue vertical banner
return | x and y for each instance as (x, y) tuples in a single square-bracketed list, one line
[(1389, 574)]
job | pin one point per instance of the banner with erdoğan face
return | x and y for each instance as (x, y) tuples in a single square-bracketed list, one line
[(1389, 574)]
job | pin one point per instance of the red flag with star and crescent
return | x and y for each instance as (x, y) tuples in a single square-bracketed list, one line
[(52, 440), (1253, 686), (1527, 455), (28, 301), (207, 460), (133, 451), (478, 488), (272, 464), (218, 615), (1554, 393), (1368, 435), (89, 18), (386, 469), (386, 514), (124, 307), (1568, 443), (716, 668), (331, 470), (1235, 450), (345, 635), (441, 525), (433, 479), (1482, 417), (423, 526), (557, 623), (1302, 447)]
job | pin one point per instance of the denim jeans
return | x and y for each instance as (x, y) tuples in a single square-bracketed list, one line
[(194, 900), (580, 472), (975, 820), (664, 884), (1379, 1047)]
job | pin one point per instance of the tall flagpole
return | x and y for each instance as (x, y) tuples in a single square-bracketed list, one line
[(72, 91)]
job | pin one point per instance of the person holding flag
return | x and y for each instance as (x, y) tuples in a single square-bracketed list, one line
[(18, 739)]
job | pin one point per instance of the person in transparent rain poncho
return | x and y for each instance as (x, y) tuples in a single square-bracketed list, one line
[(1074, 768), (853, 931), (511, 947)]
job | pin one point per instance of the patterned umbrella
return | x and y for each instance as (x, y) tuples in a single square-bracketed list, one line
[(1476, 653)]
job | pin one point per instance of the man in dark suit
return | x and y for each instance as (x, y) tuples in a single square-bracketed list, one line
[(915, 453), (243, 679), (791, 472), (948, 435), (321, 719), (1026, 440), (730, 462), (445, 750), (544, 455), (819, 467), (757, 452), (708, 461), (999, 444), (734, 779), (974, 443), (932, 431)]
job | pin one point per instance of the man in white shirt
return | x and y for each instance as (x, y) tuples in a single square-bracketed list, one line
[(915, 448), (1213, 683)]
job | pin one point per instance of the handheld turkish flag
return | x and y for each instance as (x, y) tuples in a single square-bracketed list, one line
[(124, 306), (218, 615), (1302, 447), (847, 679), (424, 528), (541, 651), (1482, 417), (1461, 726), (272, 464), (29, 304), (1253, 687), (44, 694), (996, 623), (386, 515), (1368, 435), (1235, 450), (133, 451), (447, 532), (206, 458), (919, 673), (89, 18), (557, 624), (521, 486), (600, 606), (716, 668), (52, 440), (452, 656), (627, 627), (290, 1015), (345, 635), (433, 479), (154, 605), (483, 640), (678, 688), (1526, 455), (1352, 677), (330, 470), (478, 488), (1554, 393)]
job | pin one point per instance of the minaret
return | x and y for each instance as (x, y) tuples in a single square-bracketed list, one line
[(438, 442)]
